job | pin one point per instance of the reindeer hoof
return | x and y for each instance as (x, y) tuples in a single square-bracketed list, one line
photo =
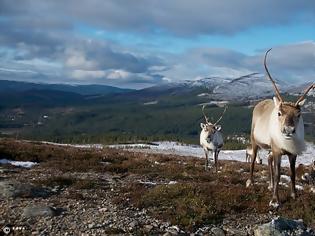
[(249, 183), (274, 204)]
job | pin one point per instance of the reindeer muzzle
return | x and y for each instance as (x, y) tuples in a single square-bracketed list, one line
[(288, 131)]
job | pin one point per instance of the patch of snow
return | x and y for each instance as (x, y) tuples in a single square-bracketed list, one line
[(203, 95), (25, 164), (285, 178), (154, 183), (180, 149), (284, 184), (150, 103), (94, 146), (299, 187), (175, 148), (147, 182)]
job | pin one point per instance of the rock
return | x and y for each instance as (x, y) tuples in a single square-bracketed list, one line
[(91, 225), (14, 189), (233, 231), (217, 231), (104, 209), (173, 230), (40, 210), (249, 183), (281, 226), (133, 224), (148, 228)]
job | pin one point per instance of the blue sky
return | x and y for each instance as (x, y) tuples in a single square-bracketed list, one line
[(248, 41), (145, 43)]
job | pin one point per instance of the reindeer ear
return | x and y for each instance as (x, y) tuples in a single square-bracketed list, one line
[(218, 127), (301, 103), (276, 101), (202, 125)]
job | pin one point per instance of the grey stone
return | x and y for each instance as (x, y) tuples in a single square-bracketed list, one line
[(217, 231), (14, 189), (133, 224), (91, 225), (40, 210), (167, 234), (281, 226), (148, 228)]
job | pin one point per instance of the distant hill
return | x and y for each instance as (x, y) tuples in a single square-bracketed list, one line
[(170, 111), (93, 89), (39, 98), (248, 87)]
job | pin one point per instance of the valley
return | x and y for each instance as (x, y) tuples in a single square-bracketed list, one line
[(171, 112)]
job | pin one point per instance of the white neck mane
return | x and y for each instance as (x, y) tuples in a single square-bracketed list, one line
[(296, 145)]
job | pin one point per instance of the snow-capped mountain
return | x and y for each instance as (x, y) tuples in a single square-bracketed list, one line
[(244, 88), (297, 90), (248, 87)]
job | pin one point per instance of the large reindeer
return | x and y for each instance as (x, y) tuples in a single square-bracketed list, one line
[(211, 138), (278, 126)]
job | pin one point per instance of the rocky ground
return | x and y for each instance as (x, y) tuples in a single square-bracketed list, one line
[(92, 192)]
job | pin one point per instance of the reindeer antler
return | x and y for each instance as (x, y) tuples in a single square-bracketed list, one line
[(312, 86), (203, 112), (221, 115), (270, 78)]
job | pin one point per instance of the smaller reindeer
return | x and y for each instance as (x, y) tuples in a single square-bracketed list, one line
[(249, 153), (211, 138)]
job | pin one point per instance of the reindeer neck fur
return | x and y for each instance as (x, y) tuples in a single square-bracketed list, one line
[(216, 139), (266, 130), (295, 145)]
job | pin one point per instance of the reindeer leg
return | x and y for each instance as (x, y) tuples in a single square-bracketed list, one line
[(277, 165), (271, 177), (206, 162), (292, 159), (215, 156), (250, 181)]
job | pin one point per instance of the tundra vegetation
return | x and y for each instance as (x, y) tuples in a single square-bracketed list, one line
[(170, 188)]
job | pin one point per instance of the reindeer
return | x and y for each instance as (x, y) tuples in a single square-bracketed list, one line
[(278, 126), (211, 138)]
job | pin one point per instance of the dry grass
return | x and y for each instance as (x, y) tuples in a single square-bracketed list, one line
[(198, 198)]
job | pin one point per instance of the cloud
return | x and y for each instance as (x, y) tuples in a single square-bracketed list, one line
[(290, 63), (41, 38), (181, 17)]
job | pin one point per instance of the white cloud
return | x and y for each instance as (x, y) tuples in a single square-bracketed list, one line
[(77, 59), (118, 74), (87, 74)]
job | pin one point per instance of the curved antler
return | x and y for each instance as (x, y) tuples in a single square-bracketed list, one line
[(270, 78), (203, 112), (312, 86), (221, 115)]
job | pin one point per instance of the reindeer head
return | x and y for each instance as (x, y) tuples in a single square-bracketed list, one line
[(208, 127), (288, 113)]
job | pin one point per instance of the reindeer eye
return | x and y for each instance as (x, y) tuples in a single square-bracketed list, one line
[(279, 113)]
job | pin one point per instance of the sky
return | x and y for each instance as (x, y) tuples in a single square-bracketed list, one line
[(142, 43)]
